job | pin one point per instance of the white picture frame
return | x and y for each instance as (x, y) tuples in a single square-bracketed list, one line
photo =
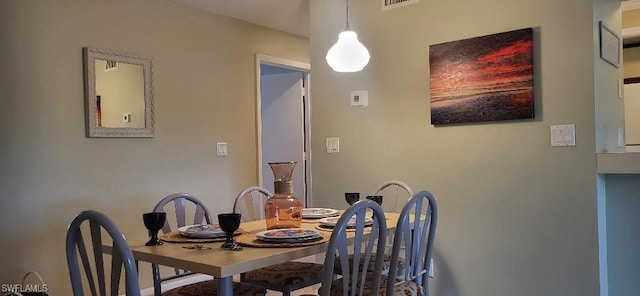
[(609, 45)]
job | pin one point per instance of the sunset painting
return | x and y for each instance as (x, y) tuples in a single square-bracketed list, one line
[(484, 78)]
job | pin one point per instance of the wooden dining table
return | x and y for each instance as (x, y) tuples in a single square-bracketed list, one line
[(224, 264)]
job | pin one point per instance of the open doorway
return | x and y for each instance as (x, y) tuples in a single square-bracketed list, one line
[(283, 118)]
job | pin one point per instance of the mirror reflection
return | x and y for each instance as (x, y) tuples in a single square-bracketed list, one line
[(119, 94)]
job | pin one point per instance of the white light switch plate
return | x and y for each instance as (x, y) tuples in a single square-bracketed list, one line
[(221, 149), (620, 138), (563, 135), (333, 145)]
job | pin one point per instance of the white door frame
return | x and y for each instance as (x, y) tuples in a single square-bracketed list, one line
[(305, 68)]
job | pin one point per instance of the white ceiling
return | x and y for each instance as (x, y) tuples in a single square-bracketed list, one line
[(291, 16)]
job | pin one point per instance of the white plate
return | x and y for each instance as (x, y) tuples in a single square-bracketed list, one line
[(287, 234), (290, 240), (332, 221), (201, 231), (310, 213)]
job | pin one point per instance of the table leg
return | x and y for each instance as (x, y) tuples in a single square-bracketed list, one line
[(225, 286)]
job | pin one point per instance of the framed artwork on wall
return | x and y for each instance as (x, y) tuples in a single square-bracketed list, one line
[(609, 46), (480, 79)]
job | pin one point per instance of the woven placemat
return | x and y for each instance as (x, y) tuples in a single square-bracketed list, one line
[(250, 240), (326, 228), (176, 237)]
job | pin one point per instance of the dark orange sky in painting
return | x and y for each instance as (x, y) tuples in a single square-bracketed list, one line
[(488, 64)]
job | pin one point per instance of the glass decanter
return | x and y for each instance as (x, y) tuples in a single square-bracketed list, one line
[(283, 209)]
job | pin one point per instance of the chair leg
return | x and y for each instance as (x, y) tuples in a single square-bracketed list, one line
[(157, 290)]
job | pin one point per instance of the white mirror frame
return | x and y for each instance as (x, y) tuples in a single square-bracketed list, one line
[(92, 129)]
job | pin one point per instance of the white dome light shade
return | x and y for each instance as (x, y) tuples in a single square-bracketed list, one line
[(348, 54)]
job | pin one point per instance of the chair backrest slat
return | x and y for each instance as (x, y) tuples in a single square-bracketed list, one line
[(198, 216), (84, 257), (180, 210), (116, 271), (96, 241)]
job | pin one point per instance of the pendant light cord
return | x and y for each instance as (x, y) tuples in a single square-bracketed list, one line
[(347, 26)]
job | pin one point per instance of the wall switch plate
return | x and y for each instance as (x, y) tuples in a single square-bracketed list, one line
[(620, 138), (221, 149), (359, 98), (620, 87), (333, 145), (563, 135), (432, 272)]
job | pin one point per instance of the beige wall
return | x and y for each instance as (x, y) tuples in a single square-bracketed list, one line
[(631, 56), (517, 217), (204, 75), (631, 66), (631, 18)]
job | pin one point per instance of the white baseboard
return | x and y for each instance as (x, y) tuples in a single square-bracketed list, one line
[(181, 282)]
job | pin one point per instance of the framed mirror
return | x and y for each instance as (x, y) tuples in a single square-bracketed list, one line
[(118, 94)]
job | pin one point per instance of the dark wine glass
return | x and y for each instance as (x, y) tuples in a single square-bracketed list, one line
[(352, 197), (377, 199), (229, 223), (154, 222)]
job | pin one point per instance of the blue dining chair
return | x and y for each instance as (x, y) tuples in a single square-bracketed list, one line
[(367, 247), (394, 193), (186, 208), (284, 277), (178, 204), (413, 242), (86, 245)]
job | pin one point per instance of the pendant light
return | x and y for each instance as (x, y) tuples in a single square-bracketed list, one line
[(348, 54)]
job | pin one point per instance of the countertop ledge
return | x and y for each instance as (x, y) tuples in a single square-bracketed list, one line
[(618, 163)]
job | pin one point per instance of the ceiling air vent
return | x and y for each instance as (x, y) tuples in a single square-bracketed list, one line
[(390, 4), (111, 66)]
